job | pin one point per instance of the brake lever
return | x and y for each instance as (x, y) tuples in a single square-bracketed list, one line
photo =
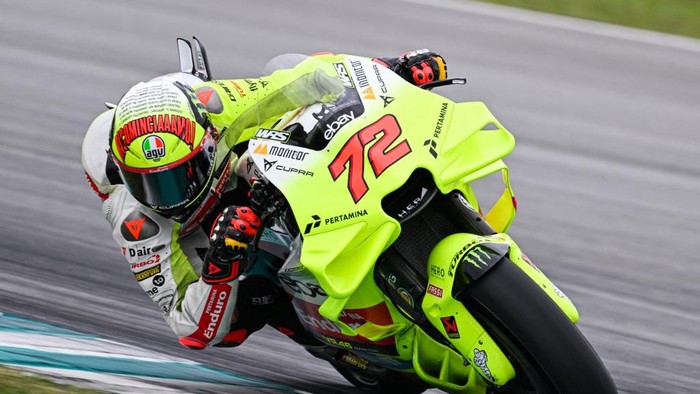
[(444, 82)]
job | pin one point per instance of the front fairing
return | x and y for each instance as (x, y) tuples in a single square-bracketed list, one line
[(336, 190)]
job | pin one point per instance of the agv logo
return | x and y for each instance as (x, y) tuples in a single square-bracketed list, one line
[(153, 147)]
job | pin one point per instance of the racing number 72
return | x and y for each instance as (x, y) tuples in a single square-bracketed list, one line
[(380, 156)]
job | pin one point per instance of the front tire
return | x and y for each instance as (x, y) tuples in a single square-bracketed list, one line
[(549, 353)]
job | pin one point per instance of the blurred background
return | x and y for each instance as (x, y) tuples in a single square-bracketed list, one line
[(605, 168)]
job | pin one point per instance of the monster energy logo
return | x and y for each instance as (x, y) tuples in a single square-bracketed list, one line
[(476, 256)]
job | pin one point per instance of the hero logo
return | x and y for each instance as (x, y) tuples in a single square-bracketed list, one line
[(155, 259), (333, 127), (215, 314), (274, 135), (343, 74), (413, 204)]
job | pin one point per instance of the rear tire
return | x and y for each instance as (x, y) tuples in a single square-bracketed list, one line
[(549, 353)]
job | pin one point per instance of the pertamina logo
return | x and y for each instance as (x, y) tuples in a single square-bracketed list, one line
[(153, 147), (212, 314)]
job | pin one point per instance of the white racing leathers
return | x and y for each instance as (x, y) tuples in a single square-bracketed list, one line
[(164, 255), (164, 265)]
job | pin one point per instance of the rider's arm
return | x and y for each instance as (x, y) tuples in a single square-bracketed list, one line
[(237, 104), (198, 313)]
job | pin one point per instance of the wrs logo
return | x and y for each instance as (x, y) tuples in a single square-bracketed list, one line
[(274, 135), (153, 147)]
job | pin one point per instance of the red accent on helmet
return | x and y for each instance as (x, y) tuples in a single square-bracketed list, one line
[(204, 95)]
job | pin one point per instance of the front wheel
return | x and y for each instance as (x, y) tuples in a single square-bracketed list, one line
[(548, 352)]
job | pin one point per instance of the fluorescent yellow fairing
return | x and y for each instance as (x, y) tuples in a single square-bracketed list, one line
[(467, 137), (336, 195), (471, 338)]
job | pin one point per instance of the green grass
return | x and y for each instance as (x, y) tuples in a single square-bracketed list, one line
[(681, 17), (14, 381)]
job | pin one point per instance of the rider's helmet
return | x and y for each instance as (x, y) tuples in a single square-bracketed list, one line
[(162, 142)]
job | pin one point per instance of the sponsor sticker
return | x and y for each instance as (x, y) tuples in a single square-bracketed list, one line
[(138, 226), (480, 359), (274, 135), (359, 73), (155, 259), (449, 323), (434, 290), (153, 148), (158, 280), (344, 76), (147, 273), (165, 302)]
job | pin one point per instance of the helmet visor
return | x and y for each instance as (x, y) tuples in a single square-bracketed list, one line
[(168, 189)]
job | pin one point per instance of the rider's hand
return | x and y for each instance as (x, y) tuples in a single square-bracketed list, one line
[(232, 232), (262, 195), (421, 66)]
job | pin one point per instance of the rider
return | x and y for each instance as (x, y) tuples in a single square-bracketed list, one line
[(164, 162)]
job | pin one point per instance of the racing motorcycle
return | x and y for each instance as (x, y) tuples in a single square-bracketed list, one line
[(389, 257)]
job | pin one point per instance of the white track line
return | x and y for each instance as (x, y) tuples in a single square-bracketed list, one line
[(564, 23)]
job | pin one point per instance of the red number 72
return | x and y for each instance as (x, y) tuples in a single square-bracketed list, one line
[(379, 155)]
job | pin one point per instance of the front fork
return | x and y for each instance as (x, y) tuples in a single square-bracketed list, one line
[(456, 261)]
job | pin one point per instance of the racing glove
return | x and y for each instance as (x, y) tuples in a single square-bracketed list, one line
[(263, 195), (418, 67), (233, 230)]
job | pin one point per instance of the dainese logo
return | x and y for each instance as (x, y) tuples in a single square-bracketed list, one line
[(153, 147)]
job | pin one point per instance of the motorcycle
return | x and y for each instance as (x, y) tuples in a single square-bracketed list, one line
[(390, 259)]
